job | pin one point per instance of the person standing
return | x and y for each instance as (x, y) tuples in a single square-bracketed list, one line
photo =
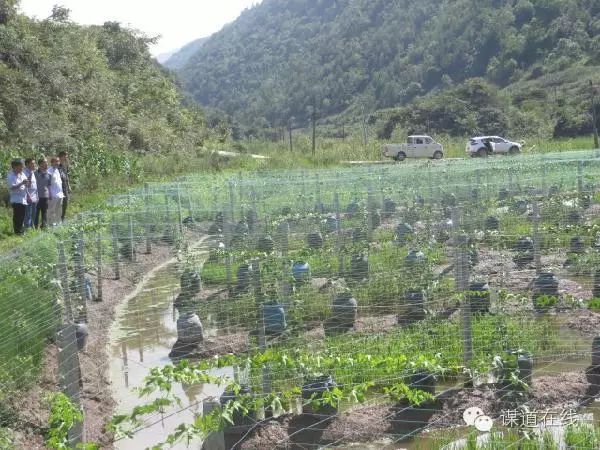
[(32, 193), (43, 180), (56, 193), (17, 185), (66, 182)]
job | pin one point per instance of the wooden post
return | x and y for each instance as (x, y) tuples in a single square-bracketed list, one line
[(99, 295), (338, 217), (216, 439), (370, 208), (179, 212), (147, 218), (461, 273), (580, 177), (314, 127), (231, 201), (63, 272), (130, 227), (303, 189), (536, 237), (80, 274), (114, 229), (319, 207), (69, 376)]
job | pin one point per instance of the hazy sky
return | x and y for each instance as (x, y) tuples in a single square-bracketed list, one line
[(177, 21)]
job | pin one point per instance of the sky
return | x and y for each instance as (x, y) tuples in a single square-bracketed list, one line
[(176, 21)]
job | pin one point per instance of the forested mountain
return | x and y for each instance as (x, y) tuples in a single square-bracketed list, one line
[(282, 57), (92, 90), (179, 59)]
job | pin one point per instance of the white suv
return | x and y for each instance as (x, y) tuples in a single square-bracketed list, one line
[(483, 146)]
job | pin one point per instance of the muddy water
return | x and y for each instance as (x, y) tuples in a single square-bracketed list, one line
[(141, 338)]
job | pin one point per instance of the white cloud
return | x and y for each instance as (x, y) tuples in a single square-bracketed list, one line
[(176, 21)]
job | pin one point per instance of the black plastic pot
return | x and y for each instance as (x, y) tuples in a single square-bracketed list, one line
[(314, 240), (403, 232), (301, 272), (574, 217), (266, 244), (492, 223), (525, 365), (544, 286), (344, 311), (81, 335), (596, 289), (577, 245), (546, 283), (414, 257), (190, 282), (190, 335), (238, 419), (274, 318), (423, 381), (352, 209), (359, 235), (244, 277), (215, 229), (414, 300), (314, 388), (359, 267), (331, 224), (242, 229), (389, 208), (375, 219), (596, 352)]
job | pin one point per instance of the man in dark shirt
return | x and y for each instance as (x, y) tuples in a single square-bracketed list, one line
[(63, 167)]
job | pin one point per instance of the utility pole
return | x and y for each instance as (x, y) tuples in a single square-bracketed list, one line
[(594, 118), (314, 127), (364, 124), (290, 133)]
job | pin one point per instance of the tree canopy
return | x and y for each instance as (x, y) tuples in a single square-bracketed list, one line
[(73, 87), (284, 57)]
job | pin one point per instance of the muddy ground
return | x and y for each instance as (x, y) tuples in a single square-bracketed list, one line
[(368, 424), (97, 400)]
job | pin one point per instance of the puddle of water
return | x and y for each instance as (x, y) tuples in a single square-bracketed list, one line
[(141, 338)]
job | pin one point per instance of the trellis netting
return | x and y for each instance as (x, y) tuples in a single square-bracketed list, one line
[(368, 304)]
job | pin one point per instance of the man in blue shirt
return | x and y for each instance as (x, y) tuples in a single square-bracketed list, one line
[(17, 186)]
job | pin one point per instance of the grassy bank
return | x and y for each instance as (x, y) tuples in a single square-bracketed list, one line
[(332, 151)]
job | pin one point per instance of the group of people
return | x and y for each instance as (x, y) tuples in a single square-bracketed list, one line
[(39, 192)]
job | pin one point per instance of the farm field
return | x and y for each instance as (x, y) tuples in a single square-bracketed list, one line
[(362, 307)]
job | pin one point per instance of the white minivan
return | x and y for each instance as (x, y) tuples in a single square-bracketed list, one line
[(415, 147)]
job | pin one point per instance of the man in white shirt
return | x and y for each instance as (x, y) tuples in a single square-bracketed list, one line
[(56, 193), (17, 186), (32, 193)]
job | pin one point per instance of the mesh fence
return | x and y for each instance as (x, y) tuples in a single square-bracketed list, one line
[(339, 293)]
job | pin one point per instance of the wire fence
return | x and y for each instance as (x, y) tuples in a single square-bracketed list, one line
[(472, 280)]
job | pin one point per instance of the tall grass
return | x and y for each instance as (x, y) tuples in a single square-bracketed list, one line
[(332, 151)]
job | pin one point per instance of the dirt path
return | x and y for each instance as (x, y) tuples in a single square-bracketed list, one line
[(94, 360)]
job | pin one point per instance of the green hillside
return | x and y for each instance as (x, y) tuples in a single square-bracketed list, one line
[(179, 59), (95, 91), (284, 57)]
